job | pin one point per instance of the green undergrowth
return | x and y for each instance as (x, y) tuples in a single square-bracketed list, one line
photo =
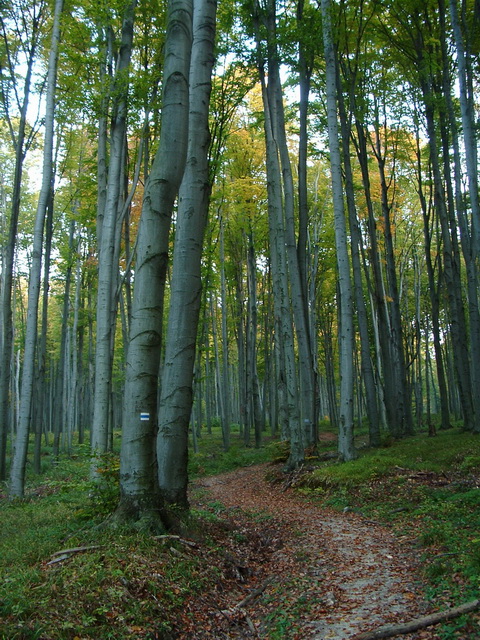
[(211, 459), (121, 583), (428, 491)]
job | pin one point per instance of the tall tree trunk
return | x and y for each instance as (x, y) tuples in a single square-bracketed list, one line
[(368, 376), (225, 382), (470, 250), (185, 293), (138, 473), (107, 269), (274, 132), (6, 343), (345, 440), (467, 108), (41, 389), (433, 291), (381, 320), (17, 471), (305, 63), (253, 391), (403, 415), (451, 268)]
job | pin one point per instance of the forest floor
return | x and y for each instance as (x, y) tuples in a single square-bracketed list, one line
[(327, 553), (294, 570)]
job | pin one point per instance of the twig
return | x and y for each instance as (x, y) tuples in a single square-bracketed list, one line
[(77, 550), (251, 625), (165, 537), (64, 554), (252, 595), (391, 630)]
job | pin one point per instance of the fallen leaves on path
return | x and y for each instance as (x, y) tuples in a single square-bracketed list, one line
[(313, 572)]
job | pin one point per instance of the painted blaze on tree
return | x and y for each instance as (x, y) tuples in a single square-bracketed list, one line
[(149, 483)]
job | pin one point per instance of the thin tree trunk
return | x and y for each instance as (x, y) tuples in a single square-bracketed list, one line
[(345, 440), (17, 472), (9, 258), (287, 370), (362, 318), (434, 293), (253, 390), (451, 269), (225, 383), (107, 269), (468, 125)]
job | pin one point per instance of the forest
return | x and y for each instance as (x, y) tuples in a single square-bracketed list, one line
[(265, 216), (256, 225)]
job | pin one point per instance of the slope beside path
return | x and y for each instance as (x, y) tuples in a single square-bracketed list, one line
[(333, 575)]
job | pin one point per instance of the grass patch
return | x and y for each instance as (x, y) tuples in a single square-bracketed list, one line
[(211, 459)]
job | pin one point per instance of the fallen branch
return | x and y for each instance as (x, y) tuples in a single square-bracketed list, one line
[(64, 554), (189, 543), (248, 598), (76, 550), (388, 631), (253, 594)]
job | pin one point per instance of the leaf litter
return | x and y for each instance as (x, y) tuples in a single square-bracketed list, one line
[(311, 572)]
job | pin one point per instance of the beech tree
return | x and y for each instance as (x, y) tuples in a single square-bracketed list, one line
[(138, 473), (26, 24), (107, 230), (345, 439), (17, 470), (176, 397)]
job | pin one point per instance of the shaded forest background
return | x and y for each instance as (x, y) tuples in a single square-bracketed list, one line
[(339, 258)]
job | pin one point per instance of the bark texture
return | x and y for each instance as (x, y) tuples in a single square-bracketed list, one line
[(185, 291)]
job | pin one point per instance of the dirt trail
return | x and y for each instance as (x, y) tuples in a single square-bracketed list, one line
[(355, 574)]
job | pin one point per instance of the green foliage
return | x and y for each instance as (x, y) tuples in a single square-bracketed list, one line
[(105, 491), (212, 459)]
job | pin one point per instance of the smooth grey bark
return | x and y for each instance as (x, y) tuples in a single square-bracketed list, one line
[(60, 408), (470, 250), (106, 55), (467, 109), (284, 334), (107, 268), (403, 415), (298, 292), (451, 269), (254, 408), (40, 388), (241, 351), (368, 376), (186, 286), (346, 447), (433, 290), (73, 410), (305, 65), (17, 471), (21, 143), (381, 323), (225, 378), (138, 473)]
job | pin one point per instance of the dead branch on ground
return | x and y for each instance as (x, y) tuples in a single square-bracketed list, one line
[(388, 631)]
